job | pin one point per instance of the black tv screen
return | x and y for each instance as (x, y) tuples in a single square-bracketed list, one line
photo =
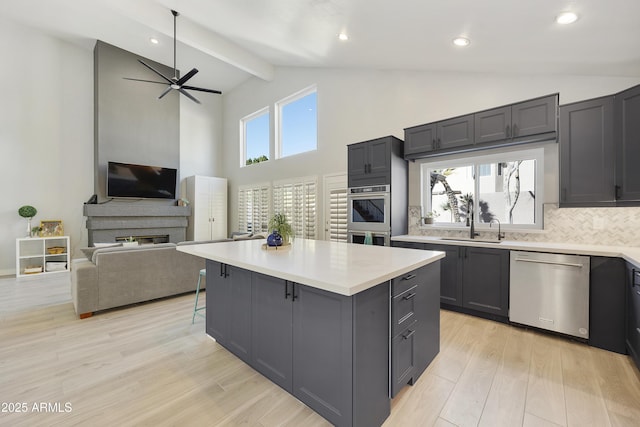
[(140, 181)]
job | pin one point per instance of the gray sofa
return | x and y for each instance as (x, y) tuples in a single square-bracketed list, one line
[(118, 276)]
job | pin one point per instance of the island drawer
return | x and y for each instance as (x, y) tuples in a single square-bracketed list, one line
[(400, 284), (403, 358), (403, 310)]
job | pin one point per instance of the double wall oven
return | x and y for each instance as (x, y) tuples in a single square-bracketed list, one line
[(369, 214)]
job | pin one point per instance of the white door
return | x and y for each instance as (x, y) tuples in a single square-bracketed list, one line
[(218, 208), (335, 207)]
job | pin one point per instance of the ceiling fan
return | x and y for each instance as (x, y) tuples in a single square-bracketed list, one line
[(175, 83)]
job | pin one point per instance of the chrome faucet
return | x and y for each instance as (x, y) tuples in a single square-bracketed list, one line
[(500, 235), (472, 229)]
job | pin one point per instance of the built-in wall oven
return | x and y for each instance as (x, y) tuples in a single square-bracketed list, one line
[(369, 214), (368, 209), (377, 238)]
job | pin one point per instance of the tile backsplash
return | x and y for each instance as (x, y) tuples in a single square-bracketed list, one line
[(602, 226)]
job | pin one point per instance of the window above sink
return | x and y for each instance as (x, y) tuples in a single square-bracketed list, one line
[(507, 187)]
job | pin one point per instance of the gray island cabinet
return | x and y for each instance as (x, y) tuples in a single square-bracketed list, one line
[(341, 327)]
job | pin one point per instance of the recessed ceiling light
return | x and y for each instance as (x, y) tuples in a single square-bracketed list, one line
[(461, 41), (566, 18), (154, 40), (343, 36)]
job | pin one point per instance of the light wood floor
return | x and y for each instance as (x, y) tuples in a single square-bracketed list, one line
[(147, 365)]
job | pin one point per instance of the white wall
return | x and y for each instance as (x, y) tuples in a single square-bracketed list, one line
[(357, 105), (46, 135)]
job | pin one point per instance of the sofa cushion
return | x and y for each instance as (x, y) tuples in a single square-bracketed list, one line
[(98, 251)]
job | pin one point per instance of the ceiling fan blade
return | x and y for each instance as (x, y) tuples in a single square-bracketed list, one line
[(188, 95), (186, 77), (201, 89), (157, 72), (166, 91), (147, 81)]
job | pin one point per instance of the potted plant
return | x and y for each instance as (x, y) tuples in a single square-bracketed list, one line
[(429, 216), (279, 225), (28, 212)]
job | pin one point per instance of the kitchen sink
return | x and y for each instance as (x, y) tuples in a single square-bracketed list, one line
[(467, 239)]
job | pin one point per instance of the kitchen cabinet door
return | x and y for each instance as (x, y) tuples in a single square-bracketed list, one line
[(456, 132), (534, 117), (420, 139), (485, 280), (239, 311), (633, 313), (627, 138), (586, 153), (606, 303), (493, 125), (272, 346), (322, 359), (450, 274), (217, 295), (369, 163)]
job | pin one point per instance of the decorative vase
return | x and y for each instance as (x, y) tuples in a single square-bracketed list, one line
[(29, 231), (274, 239), (428, 220)]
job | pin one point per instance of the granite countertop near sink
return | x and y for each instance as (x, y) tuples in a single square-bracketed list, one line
[(628, 253)]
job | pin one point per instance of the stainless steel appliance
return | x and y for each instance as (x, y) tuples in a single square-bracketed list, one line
[(550, 291), (377, 238), (369, 209)]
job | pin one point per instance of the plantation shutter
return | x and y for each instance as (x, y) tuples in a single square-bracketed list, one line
[(338, 215), (297, 200), (253, 208)]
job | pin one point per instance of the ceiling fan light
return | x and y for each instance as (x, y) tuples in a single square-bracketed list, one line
[(461, 41), (566, 18)]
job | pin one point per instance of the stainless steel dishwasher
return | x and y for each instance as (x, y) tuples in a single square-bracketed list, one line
[(550, 291)]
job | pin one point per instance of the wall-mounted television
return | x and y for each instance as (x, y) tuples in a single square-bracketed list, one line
[(140, 181)]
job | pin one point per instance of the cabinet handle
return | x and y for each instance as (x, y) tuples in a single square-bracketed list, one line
[(507, 131), (406, 337), (221, 270), (633, 277), (287, 294), (408, 297), (438, 144), (433, 144), (293, 289), (515, 130), (409, 277), (618, 188)]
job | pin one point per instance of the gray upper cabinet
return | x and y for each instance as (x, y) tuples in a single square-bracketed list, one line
[(528, 121), (586, 155), (369, 162), (599, 148), (518, 122), (536, 117), (627, 137), (493, 125), (443, 135)]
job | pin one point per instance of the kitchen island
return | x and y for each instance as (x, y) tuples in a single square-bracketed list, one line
[(342, 327)]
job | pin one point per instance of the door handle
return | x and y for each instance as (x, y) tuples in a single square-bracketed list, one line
[(535, 261)]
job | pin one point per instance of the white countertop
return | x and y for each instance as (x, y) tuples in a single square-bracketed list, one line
[(342, 268), (629, 253)]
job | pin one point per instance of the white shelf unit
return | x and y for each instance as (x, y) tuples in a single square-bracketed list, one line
[(34, 252)]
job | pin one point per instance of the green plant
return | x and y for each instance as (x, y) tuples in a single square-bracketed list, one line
[(279, 223), (432, 214), (27, 211), (130, 239), (36, 231)]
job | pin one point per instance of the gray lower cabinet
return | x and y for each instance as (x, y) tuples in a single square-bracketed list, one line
[(328, 350), (607, 287), (229, 307), (633, 313)]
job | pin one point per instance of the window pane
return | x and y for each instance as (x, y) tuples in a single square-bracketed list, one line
[(256, 131), (508, 192), (450, 191), (299, 126)]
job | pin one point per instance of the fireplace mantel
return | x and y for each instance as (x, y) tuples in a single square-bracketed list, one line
[(110, 221)]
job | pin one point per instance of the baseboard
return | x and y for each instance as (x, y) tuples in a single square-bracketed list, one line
[(8, 272)]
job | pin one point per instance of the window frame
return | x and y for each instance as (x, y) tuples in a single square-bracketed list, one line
[(536, 154), (243, 134), (279, 105)]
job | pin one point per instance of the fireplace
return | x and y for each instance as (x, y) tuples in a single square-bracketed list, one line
[(147, 223)]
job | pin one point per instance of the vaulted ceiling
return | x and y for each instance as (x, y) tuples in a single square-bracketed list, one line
[(230, 40)]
